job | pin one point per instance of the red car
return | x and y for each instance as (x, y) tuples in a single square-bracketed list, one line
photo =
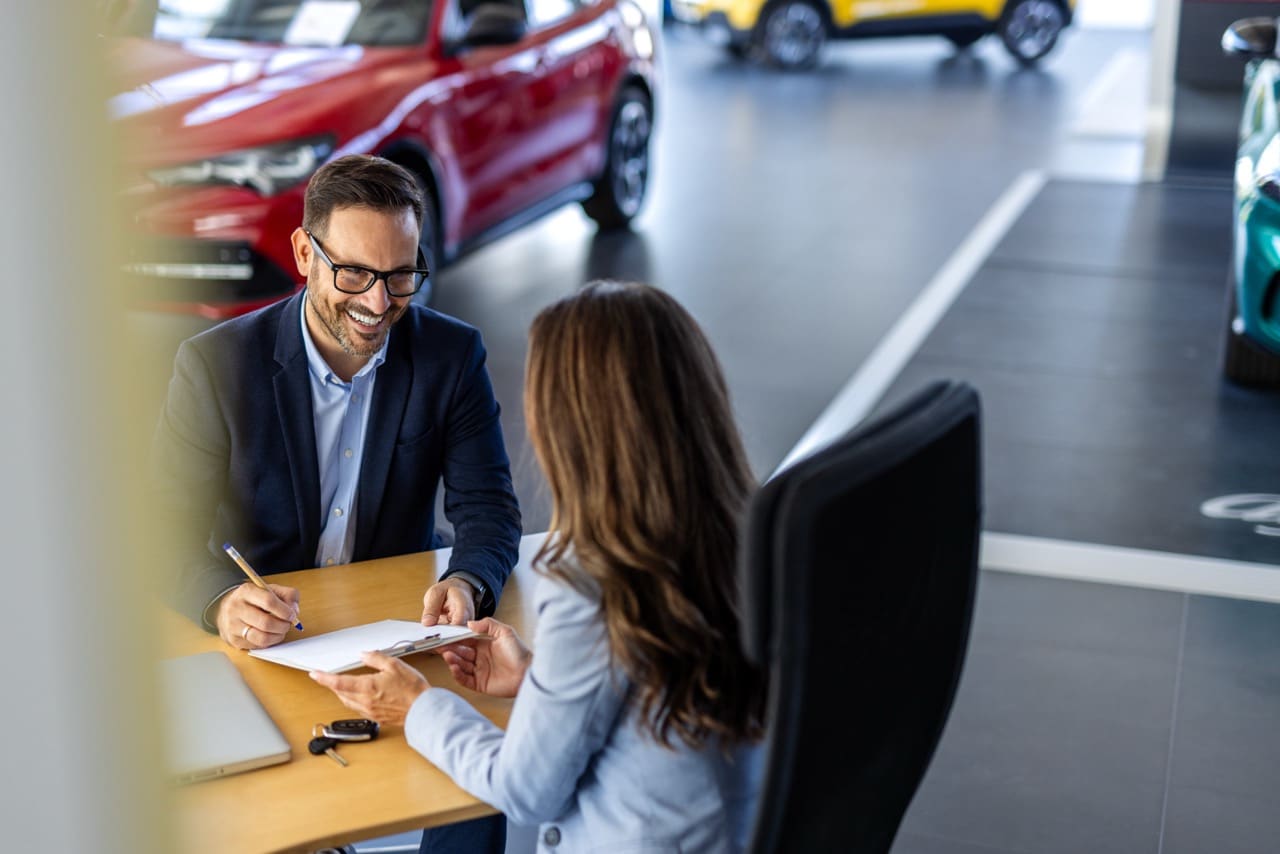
[(506, 110)]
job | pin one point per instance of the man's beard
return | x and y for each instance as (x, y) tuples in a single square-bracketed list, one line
[(334, 318)]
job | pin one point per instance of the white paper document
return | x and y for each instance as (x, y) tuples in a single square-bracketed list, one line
[(335, 652)]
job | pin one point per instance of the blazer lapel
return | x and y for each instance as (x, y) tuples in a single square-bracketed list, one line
[(297, 421), (390, 396)]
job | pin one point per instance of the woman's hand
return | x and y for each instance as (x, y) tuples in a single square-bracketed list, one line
[(494, 666), (384, 696)]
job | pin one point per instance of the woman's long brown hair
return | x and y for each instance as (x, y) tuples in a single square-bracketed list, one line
[(629, 416)]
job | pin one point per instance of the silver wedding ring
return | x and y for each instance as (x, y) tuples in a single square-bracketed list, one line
[(245, 633)]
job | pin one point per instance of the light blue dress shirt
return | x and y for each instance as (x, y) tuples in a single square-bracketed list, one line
[(341, 416)]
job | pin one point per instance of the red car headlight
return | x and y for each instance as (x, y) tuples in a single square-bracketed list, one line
[(268, 169)]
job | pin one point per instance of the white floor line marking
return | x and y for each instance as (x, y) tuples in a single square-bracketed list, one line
[(1013, 552), (884, 364), (1130, 567)]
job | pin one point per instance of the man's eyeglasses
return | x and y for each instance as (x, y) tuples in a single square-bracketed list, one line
[(351, 279)]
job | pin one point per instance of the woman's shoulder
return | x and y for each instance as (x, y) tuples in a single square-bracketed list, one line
[(553, 590), (568, 611)]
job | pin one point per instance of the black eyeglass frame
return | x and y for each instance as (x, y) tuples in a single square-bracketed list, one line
[(421, 271)]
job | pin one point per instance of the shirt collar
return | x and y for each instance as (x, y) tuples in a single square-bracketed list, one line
[(316, 364)]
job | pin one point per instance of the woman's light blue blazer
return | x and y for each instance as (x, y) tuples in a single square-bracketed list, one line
[(574, 759)]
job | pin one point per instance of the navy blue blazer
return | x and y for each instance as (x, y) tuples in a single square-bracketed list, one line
[(234, 455)]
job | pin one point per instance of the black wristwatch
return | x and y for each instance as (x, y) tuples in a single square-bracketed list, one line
[(481, 591)]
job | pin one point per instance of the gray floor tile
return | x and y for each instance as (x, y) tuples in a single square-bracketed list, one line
[(1205, 821), (1228, 731), (1226, 752), (1231, 634), (1016, 611), (1058, 740), (918, 843)]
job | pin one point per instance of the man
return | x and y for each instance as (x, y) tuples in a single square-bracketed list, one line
[(315, 431)]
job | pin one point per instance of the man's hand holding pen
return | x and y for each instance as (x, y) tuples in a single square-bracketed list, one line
[(251, 617)]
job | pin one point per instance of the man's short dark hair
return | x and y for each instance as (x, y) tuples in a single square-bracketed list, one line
[(363, 181)]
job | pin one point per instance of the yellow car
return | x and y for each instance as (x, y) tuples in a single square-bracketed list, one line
[(790, 33)]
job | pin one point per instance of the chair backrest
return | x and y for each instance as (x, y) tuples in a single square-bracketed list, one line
[(858, 578)]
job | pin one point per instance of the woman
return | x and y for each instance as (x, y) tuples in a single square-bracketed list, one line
[(635, 724)]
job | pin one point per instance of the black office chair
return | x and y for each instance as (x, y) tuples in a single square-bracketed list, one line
[(858, 576)]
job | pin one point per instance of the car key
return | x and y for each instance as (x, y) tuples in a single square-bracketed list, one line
[(352, 729), (325, 746)]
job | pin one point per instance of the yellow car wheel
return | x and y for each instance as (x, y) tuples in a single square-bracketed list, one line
[(1030, 28), (791, 33)]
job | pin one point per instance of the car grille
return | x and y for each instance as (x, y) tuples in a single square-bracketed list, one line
[(176, 271)]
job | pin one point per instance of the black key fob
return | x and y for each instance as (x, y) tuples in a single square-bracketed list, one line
[(353, 729), (321, 746)]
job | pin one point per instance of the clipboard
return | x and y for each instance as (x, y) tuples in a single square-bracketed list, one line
[(339, 651)]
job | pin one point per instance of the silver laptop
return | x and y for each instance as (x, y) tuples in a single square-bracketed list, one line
[(214, 725)]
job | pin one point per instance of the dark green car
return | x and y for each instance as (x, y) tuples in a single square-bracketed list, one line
[(1252, 351)]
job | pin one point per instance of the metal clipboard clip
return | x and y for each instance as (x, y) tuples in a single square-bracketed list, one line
[(402, 648), (408, 647)]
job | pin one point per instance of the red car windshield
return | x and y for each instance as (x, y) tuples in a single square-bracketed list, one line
[(324, 23)]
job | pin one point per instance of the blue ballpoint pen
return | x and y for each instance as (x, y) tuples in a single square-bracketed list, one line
[(249, 571)]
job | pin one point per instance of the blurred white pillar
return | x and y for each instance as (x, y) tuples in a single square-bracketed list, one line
[(77, 753), (1164, 49)]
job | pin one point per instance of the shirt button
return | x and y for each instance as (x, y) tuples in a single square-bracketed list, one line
[(337, 511), (355, 398), (347, 453), (552, 836)]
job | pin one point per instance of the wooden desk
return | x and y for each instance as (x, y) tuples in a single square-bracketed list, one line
[(311, 802)]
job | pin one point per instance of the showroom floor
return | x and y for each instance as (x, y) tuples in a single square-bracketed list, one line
[(802, 217)]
